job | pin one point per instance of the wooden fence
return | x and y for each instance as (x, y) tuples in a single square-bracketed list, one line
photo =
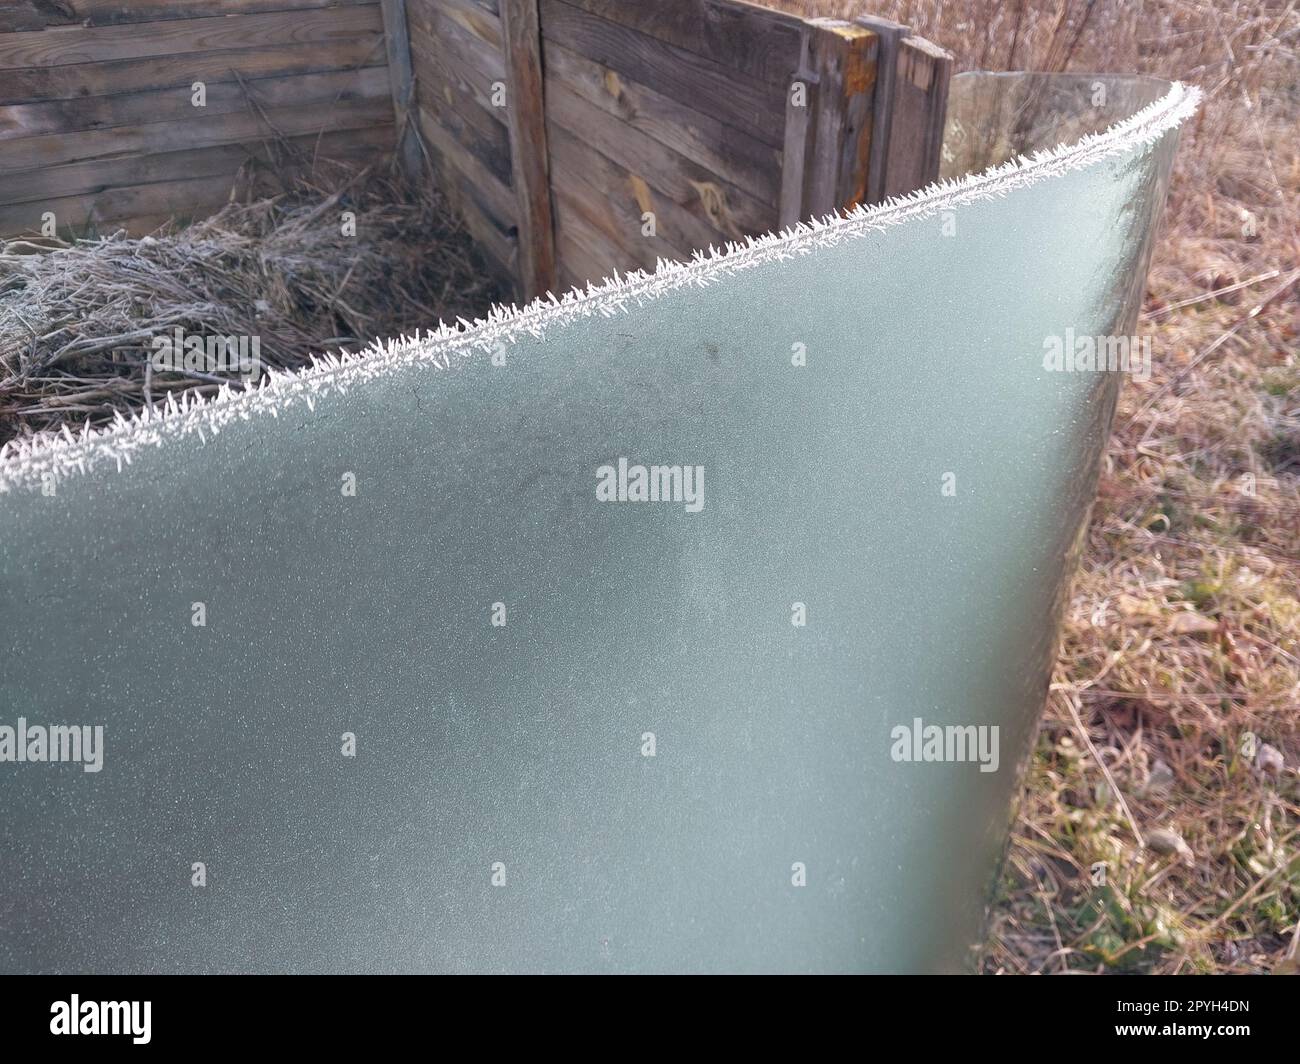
[(576, 137), (461, 91), (584, 137), (98, 118)]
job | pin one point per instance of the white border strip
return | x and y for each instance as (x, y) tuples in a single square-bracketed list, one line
[(29, 463)]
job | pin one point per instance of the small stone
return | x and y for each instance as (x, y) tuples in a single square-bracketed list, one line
[(1160, 780), (1269, 760), (1192, 624), (1168, 841)]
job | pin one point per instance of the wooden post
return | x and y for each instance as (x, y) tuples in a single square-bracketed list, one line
[(800, 102), (920, 110), (833, 171), (891, 35), (397, 41), (526, 120)]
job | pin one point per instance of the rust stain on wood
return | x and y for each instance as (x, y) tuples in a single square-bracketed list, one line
[(859, 72)]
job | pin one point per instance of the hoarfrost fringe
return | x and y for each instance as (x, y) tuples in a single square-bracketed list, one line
[(28, 463)]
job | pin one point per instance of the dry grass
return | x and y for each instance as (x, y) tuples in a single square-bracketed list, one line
[(1181, 651), (77, 319)]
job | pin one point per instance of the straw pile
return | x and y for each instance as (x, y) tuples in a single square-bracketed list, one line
[(77, 320)]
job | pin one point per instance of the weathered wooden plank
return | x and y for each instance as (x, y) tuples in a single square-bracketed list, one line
[(439, 45), (186, 199), (485, 205), (482, 48), (730, 153), (568, 279), (489, 142), (441, 94), (920, 110), (616, 202), (433, 60), (196, 132), (99, 175), (175, 104), (569, 201), (571, 215), (843, 56), (39, 14), (498, 248), (496, 196), (728, 95), (402, 85), (730, 210), (85, 80), (586, 255), (489, 28), (21, 16), (467, 16), (78, 44), (751, 39), (800, 102), (501, 248), (526, 120)]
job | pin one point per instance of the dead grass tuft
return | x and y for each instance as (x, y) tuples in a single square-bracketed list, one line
[(77, 319)]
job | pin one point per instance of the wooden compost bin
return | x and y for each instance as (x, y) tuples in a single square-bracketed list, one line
[(562, 128), (576, 137)]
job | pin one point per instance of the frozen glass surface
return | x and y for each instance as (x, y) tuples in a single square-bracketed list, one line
[(918, 486)]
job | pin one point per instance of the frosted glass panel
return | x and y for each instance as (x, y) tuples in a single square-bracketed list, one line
[(601, 716)]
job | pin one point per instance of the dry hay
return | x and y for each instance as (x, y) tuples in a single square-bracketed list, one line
[(78, 319)]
